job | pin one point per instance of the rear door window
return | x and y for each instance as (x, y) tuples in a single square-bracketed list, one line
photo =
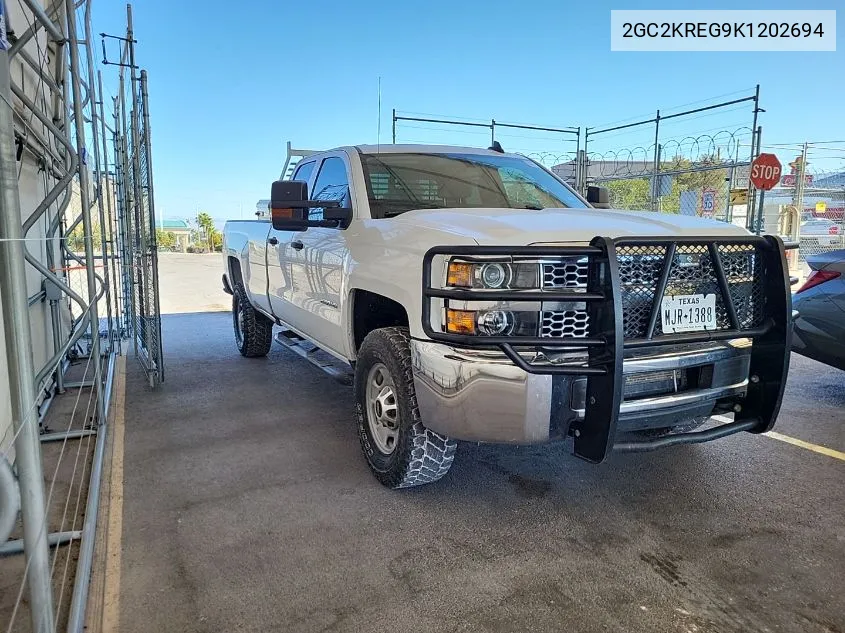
[(303, 171)]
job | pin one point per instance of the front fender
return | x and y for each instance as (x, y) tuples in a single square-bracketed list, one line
[(385, 257)]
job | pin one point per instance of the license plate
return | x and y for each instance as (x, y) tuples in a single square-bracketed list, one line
[(688, 313)]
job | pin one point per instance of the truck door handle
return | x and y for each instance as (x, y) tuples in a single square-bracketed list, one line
[(273, 241), (297, 245)]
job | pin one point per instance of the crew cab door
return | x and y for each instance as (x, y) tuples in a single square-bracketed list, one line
[(279, 257), (317, 261)]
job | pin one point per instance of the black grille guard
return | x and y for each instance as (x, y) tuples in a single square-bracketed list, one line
[(605, 342)]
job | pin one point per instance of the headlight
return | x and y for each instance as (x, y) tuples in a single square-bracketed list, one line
[(495, 322), (493, 275), (492, 322)]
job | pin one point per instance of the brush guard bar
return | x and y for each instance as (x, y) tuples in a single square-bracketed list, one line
[(605, 342)]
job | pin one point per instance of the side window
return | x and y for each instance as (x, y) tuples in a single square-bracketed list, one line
[(303, 171), (332, 184)]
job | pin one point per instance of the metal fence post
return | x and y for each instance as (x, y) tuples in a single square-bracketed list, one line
[(145, 112), (16, 326), (656, 167), (751, 205), (585, 175)]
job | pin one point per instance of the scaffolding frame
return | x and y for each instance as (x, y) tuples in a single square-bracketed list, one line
[(90, 289)]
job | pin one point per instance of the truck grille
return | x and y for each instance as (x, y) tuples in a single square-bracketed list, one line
[(639, 272), (568, 273), (568, 323), (691, 273)]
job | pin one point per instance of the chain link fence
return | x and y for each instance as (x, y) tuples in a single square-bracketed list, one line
[(672, 163), (684, 161), (135, 203), (820, 212)]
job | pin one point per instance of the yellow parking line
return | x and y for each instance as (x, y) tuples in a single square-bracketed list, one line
[(822, 450)]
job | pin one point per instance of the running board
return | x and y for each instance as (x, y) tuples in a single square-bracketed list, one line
[(335, 368)]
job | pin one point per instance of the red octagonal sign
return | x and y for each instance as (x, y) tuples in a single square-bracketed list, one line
[(765, 171)]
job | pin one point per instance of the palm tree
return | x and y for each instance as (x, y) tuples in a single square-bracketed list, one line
[(206, 223)]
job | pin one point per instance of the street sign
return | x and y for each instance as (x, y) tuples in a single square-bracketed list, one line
[(708, 202), (739, 196), (821, 207), (765, 171), (789, 180)]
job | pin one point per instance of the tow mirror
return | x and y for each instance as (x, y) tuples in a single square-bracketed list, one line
[(289, 205), (599, 197)]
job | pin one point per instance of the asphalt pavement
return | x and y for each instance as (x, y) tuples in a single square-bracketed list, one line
[(249, 507)]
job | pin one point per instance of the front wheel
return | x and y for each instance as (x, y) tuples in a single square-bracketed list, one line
[(400, 451)]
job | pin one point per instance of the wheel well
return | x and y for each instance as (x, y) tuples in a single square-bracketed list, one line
[(235, 270), (372, 311)]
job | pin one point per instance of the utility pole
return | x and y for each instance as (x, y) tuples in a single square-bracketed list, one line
[(798, 195)]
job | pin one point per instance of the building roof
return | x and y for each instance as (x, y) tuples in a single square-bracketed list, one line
[(174, 225)]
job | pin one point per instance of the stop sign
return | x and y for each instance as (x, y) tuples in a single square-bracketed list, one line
[(765, 171)]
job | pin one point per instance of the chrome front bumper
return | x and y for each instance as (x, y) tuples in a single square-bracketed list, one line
[(482, 396)]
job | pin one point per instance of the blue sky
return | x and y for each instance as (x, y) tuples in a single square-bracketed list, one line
[(231, 82)]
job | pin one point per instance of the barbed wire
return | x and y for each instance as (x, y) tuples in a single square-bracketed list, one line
[(700, 150)]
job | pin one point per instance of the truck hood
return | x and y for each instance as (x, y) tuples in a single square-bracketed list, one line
[(524, 226)]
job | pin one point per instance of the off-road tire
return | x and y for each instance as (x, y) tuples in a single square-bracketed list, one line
[(253, 330), (420, 456)]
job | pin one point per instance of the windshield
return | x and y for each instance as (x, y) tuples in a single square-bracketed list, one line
[(397, 183)]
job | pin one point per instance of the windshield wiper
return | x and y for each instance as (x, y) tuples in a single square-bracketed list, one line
[(533, 207)]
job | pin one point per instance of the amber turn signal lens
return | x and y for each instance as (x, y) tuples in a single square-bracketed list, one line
[(281, 214), (460, 275), (460, 322)]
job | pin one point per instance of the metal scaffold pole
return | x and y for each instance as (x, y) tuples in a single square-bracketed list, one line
[(16, 325), (87, 224)]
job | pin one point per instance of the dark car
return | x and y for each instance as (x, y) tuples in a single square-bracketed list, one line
[(820, 327)]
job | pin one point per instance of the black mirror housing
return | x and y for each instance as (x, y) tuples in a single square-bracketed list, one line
[(599, 197), (286, 210), (289, 206)]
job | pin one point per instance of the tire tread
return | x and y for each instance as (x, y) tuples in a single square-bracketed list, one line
[(428, 455), (258, 329)]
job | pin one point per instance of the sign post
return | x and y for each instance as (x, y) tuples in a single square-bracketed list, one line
[(765, 174)]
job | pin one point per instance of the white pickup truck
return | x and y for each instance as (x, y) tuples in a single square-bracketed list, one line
[(475, 296)]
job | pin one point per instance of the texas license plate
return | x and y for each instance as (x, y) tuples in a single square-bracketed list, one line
[(688, 313)]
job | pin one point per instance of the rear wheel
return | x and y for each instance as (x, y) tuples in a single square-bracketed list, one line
[(253, 330), (400, 451)]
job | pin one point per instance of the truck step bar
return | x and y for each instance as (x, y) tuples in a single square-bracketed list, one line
[(693, 437), (335, 368)]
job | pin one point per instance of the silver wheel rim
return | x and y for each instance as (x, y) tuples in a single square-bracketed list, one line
[(382, 409)]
